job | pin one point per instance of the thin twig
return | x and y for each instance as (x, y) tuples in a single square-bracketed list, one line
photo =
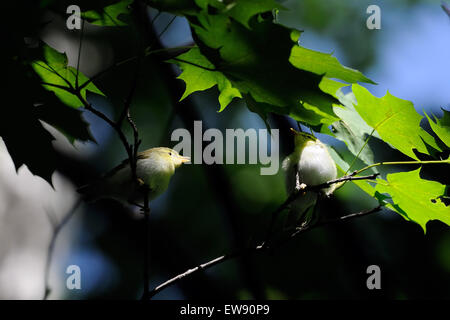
[(158, 37), (112, 124), (110, 68), (299, 191), (350, 177), (156, 17), (252, 250), (148, 52), (126, 114), (131, 150), (360, 150), (263, 245), (401, 163), (79, 53), (51, 247), (49, 68), (446, 8), (195, 64), (57, 86), (303, 229)]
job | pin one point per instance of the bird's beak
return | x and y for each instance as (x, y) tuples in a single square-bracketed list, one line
[(294, 131), (302, 135), (184, 159)]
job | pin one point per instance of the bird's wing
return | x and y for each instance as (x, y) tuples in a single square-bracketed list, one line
[(122, 165), (290, 169)]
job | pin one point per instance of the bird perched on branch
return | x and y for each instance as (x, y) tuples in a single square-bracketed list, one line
[(309, 165), (154, 168)]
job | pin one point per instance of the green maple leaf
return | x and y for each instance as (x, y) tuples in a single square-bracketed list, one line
[(343, 167), (395, 120), (54, 70), (352, 129), (34, 149), (441, 126), (414, 198), (198, 75), (324, 64), (259, 59), (111, 15), (243, 56), (243, 10)]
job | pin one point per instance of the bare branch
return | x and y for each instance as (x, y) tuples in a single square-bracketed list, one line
[(299, 191), (113, 125), (51, 247), (301, 230), (264, 245), (248, 251)]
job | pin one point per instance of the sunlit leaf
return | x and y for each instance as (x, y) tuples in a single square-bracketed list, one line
[(343, 167), (396, 121), (441, 126), (243, 10), (352, 129), (54, 70), (414, 198), (324, 64)]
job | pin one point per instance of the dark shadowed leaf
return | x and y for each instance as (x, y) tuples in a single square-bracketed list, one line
[(111, 15)]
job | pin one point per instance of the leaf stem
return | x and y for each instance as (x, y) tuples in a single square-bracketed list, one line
[(360, 150), (400, 163)]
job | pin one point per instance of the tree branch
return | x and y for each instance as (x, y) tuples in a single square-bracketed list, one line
[(131, 149), (126, 114), (177, 51), (299, 191), (260, 248), (263, 246), (303, 229)]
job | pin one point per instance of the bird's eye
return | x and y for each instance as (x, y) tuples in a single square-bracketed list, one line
[(170, 153)]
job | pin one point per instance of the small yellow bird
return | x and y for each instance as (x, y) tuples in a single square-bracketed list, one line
[(314, 165), (154, 167)]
